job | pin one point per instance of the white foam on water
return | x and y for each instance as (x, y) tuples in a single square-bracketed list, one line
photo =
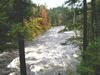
[(47, 53)]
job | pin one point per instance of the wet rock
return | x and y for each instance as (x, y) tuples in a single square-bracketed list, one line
[(5, 59)]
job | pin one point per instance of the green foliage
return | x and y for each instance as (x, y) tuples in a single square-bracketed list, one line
[(10, 26), (98, 5), (76, 39), (34, 28), (17, 28), (63, 15), (4, 24), (30, 29), (71, 2), (75, 27), (91, 61), (85, 70), (28, 9), (60, 16)]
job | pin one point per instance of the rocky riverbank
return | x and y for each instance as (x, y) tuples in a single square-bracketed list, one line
[(5, 59)]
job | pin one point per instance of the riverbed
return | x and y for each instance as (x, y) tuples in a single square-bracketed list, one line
[(45, 55)]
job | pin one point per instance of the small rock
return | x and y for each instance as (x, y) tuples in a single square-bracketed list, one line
[(75, 55), (12, 73)]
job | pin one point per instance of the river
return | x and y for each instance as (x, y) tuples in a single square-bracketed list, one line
[(46, 56)]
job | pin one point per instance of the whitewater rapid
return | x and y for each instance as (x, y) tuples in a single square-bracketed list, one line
[(46, 56)]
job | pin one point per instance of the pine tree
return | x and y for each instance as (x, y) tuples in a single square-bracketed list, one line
[(18, 5), (85, 40)]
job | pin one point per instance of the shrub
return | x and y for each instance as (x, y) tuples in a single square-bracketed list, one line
[(90, 65), (31, 28)]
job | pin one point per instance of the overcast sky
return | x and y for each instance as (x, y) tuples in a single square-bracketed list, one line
[(50, 3)]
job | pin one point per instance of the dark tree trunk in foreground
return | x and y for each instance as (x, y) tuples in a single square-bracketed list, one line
[(97, 14), (22, 55), (85, 40), (93, 21), (18, 7), (85, 37)]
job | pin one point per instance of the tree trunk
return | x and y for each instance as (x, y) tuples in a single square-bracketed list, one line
[(96, 28), (85, 37), (97, 17), (22, 55), (85, 40), (18, 7), (93, 21), (74, 14)]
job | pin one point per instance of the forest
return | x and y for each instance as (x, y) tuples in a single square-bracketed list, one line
[(25, 25)]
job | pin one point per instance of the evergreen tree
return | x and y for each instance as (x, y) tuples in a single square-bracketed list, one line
[(85, 40), (72, 4), (19, 11)]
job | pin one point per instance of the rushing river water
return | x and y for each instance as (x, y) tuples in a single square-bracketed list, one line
[(46, 56)]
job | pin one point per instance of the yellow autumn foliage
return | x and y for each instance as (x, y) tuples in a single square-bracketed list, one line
[(34, 27)]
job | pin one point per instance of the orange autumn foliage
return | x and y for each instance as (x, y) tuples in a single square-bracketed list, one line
[(43, 15)]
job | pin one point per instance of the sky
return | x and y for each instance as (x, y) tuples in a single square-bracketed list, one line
[(50, 3)]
